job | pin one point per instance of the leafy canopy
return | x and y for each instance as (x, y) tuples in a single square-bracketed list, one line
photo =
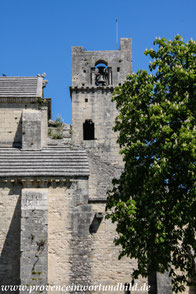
[(153, 202)]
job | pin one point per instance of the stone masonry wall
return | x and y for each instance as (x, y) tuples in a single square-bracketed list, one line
[(119, 60), (34, 238), (11, 124), (102, 111), (106, 268), (101, 174), (44, 126), (93, 102), (80, 246), (11, 127), (81, 249), (69, 243), (10, 210), (31, 129), (58, 234)]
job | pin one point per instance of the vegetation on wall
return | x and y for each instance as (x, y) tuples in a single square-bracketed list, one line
[(57, 132)]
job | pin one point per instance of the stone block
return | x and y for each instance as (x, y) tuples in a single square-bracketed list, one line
[(31, 129), (34, 236)]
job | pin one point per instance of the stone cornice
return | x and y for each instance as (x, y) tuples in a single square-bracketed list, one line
[(91, 89), (18, 100)]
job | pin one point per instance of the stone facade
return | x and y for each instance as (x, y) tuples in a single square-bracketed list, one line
[(34, 237), (53, 191), (10, 210), (18, 94)]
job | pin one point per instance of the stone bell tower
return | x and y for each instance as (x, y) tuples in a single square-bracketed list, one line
[(95, 74)]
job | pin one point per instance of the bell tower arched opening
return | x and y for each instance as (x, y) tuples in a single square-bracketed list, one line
[(101, 74)]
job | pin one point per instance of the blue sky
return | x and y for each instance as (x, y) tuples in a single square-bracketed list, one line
[(37, 35)]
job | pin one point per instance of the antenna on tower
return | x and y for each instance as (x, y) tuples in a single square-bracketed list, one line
[(117, 33)]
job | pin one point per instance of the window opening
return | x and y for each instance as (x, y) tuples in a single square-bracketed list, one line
[(118, 69), (101, 74), (88, 130)]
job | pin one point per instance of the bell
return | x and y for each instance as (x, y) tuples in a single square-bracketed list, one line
[(101, 79), (100, 76)]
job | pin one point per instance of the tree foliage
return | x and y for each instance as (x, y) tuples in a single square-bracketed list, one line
[(154, 201)]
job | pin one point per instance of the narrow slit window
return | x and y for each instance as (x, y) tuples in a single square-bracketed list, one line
[(88, 130), (118, 69)]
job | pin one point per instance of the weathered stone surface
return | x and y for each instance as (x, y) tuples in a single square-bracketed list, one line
[(163, 284), (51, 123), (59, 136), (11, 126), (119, 60), (69, 239), (44, 126), (10, 211), (31, 129), (58, 233), (16, 94), (93, 102), (34, 237)]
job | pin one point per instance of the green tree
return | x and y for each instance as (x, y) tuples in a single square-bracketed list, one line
[(153, 203)]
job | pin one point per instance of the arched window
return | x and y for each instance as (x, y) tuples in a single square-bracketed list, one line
[(101, 73), (88, 130), (101, 63)]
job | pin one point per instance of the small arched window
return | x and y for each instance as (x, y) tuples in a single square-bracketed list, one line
[(101, 73), (101, 63), (88, 130)]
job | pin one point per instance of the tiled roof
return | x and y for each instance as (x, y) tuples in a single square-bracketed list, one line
[(21, 87), (47, 162)]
